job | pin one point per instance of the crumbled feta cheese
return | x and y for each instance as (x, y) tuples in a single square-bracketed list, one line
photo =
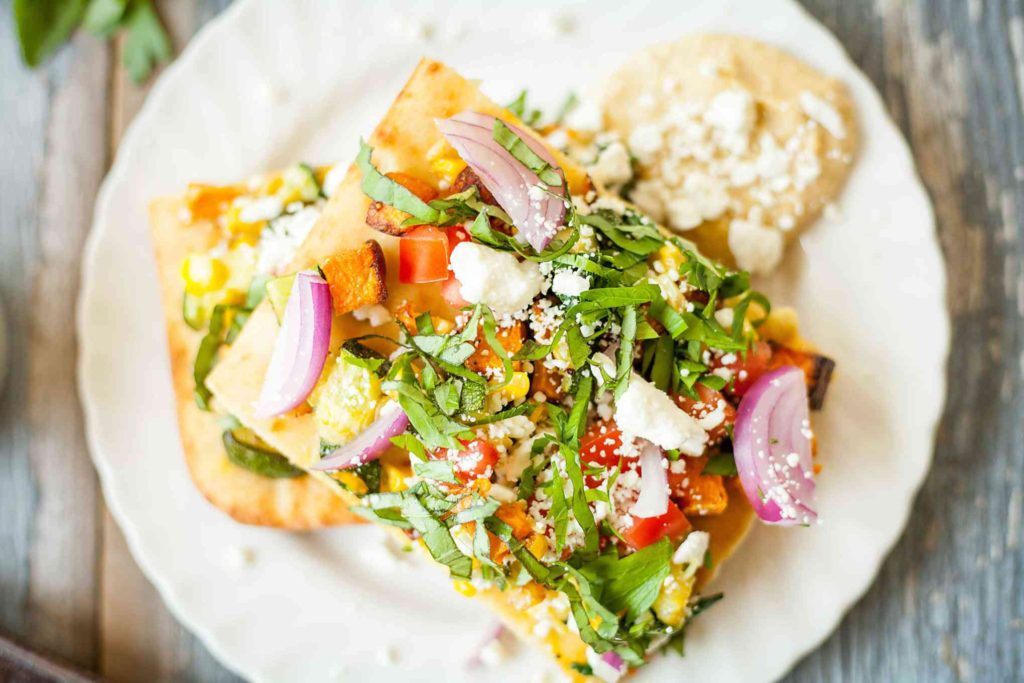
[(691, 551), (701, 198), (568, 283), (279, 240), (756, 247), (586, 116), (613, 166), (714, 417), (375, 314), (647, 194), (646, 141), (725, 317), (647, 412), (732, 114), (823, 113), (333, 179), (262, 209), (558, 139), (495, 278)]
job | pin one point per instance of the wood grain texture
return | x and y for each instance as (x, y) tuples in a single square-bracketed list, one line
[(948, 604)]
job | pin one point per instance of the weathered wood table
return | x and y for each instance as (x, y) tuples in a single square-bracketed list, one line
[(949, 603)]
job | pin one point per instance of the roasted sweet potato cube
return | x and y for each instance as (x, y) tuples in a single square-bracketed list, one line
[(510, 338), (514, 514), (206, 202), (547, 381), (387, 218), (698, 494), (406, 314), (357, 277), (817, 369), (467, 179)]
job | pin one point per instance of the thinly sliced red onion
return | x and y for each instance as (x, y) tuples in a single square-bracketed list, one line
[(370, 443), (653, 499), (537, 214), (608, 667), (301, 347), (476, 659), (772, 447)]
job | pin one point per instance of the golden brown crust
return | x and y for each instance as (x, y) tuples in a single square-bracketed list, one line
[(249, 498)]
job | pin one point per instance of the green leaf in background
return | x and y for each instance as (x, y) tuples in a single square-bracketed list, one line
[(44, 25), (104, 16), (146, 43)]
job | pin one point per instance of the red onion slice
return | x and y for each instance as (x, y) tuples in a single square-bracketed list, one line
[(538, 215), (608, 667), (301, 347), (772, 447), (370, 443), (653, 499)]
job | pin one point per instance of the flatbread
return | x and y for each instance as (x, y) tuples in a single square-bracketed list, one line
[(299, 503), (810, 116), (401, 142)]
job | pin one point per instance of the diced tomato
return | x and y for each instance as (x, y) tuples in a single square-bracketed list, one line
[(456, 236), (600, 446), (476, 460), (706, 406), (423, 255), (647, 530), (747, 367), (451, 291)]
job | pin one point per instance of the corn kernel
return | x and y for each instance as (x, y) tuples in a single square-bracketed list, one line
[(670, 605), (272, 185), (518, 387), (671, 256), (447, 169), (234, 224), (203, 274), (781, 326), (353, 482), (465, 587), (537, 545), (395, 476)]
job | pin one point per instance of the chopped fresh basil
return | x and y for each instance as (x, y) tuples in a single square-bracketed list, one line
[(723, 463), (379, 187), (522, 153), (246, 450)]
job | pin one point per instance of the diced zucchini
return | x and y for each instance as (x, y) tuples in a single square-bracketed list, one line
[(278, 291), (192, 311), (248, 451), (299, 184)]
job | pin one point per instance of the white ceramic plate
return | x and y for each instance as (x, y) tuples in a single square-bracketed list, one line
[(271, 82)]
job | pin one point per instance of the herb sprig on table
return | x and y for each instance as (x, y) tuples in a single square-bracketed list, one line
[(45, 25)]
